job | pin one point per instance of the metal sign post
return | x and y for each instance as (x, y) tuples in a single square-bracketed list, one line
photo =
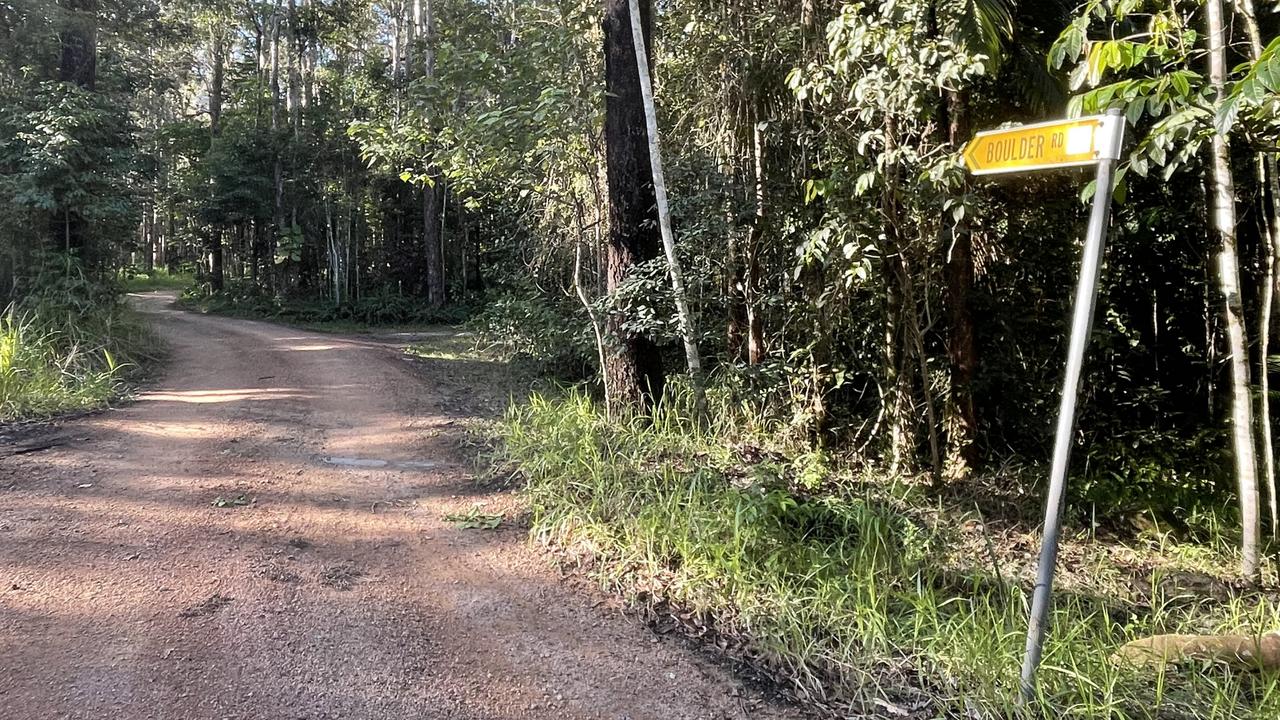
[(1081, 327), (1027, 148)]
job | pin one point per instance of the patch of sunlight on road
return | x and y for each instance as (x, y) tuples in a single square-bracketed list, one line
[(202, 397), (186, 431)]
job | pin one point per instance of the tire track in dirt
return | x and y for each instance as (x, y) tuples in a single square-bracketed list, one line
[(317, 591)]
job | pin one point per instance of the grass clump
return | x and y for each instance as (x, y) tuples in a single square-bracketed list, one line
[(852, 592), (70, 346)]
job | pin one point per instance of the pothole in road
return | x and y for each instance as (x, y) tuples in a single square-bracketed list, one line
[(359, 462)]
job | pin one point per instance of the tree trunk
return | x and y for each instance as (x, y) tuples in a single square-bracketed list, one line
[(751, 262), (962, 419), (149, 241), (1224, 218), (217, 48), (277, 169), (1269, 175), (424, 41), (295, 77), (597, 328), (898, 366), (634, 370), (684, 316), (432, 194), (216, 275), (914, 345)]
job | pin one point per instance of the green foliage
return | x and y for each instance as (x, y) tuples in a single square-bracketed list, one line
[(231, 502), (1156, 75), (62, 149), (140, 280), (247, 299), (848, 594), (526, 329), (1255, 98), (1146, 471), (474, 519)]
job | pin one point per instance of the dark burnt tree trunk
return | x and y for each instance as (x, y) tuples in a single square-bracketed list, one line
[(432, 237), (633, 369)]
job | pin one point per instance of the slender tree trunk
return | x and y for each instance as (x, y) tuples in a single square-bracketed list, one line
[(634, 369), (312, 54), (335, 257), (277, 217), (683, 315), (1269, 202), (1224, 217), (169, 257), (1264, 379), (751, 262), (295, 77), (962, 420), (897, 352), (149, 246), (911, 318), (397, 20), (216, 274), (424, 25), (597, 328), (218, 49), (814, 277), (734, 292)]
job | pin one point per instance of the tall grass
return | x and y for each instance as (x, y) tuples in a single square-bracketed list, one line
[(69, 346), (840, 593)]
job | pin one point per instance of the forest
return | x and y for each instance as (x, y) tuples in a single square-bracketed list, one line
[(836, 338)]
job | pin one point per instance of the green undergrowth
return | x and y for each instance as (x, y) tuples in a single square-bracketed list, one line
[(69, 349), (860, 595), (139, 280), (382, 310)]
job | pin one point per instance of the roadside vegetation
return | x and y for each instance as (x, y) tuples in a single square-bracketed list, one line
[(870, 596), (157, 278), (73, 345), (383, 312)]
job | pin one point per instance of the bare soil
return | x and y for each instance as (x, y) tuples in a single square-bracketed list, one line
[(261, 536)]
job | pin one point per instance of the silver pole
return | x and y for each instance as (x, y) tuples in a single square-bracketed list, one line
[(1081, 327)]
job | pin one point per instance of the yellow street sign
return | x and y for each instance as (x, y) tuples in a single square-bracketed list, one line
[(1055, 144)]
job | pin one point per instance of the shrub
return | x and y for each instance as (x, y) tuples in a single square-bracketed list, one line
[(520, 327)]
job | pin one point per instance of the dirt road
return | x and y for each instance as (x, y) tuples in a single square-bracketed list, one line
[(326, 586)]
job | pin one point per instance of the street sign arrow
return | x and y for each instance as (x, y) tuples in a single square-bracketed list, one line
[(1055, 144)]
